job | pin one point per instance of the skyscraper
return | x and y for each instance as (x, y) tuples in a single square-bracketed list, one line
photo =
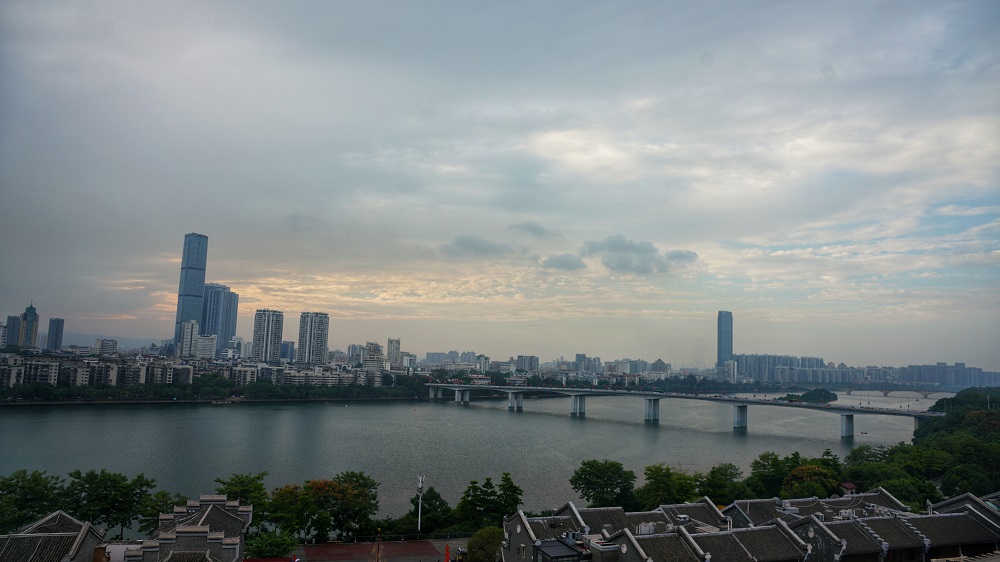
[(54, 341), (13, 330), (267, 326), (314, 335), (189, 339), (191, 291), (27, 335), (725, 338), (218, 314), (395, 356)]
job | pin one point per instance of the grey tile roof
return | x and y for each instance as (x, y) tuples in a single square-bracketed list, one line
[(597, 517), (965, 501), (768, 544), (724, 547), (859, 541), (667, 548), (55, 522), (36, 548), (895, 532), (551, 527), (637, 518), (953, 528), (698, 511), (182, 556), (759, 511), (215, 517)]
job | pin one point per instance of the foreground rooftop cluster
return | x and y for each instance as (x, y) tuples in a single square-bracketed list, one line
[(872, 526)]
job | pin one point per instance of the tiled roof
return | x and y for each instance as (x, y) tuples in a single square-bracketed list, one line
[(724, 547), (551, 527), (698, 511), (966, 501), (768, 544), (953, 528), (597, 517), (37, 548), (55, 522), (859, 541), (895, 532), (214, 516), (182, 556), (667, 548), (637, 518), (759, 511)]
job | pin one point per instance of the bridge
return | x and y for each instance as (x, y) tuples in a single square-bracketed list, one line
[(578, 403)]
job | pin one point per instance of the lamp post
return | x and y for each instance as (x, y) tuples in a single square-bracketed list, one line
[(420, 499)]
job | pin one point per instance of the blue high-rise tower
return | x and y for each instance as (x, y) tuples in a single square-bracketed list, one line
[(218, 316), (725, 338), (191, 292)]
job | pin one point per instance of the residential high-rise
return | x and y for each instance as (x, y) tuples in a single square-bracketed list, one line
[(725, 338), (267, 326), (395, 356), (314, 335), (55, 337), (218, 314), (191, 291), (188, 345), (27, 331), (13, 330)]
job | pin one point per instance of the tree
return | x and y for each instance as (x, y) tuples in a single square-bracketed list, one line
[(289, 510), (26, 497), (155, 504), (485, 545), (509, 495), (434, 513), (809, 480), (270, 545), (665, 485), (723, 484), (248, 489), (107, 498), (604, 483)]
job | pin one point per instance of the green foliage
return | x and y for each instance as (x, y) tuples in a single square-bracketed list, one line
[(724, 484), (155, 504), (26, 497), (341, 506), (248, 489), (434, 513), (665, 485), (605, 483), (107, 498), (270, 545), (484, 546), (809, 480), (509, 495)]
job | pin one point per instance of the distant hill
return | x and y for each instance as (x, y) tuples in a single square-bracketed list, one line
[(76, 338)]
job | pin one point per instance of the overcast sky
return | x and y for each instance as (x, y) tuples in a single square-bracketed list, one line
[(544, 178)]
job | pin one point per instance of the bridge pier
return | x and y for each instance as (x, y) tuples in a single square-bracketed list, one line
[(925, 393), (885, 392), (435, 393), (847, 425), (462, 396), (652, 409), (515, 401), (740, 416), (579, 405)]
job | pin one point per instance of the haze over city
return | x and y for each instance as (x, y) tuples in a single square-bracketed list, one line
[(544, 179)]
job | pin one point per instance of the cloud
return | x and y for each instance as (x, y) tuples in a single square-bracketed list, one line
[(622, 255), (535, 229), (475, 246), (568, 262)]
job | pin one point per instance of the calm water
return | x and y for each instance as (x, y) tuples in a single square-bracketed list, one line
[(184, 447)]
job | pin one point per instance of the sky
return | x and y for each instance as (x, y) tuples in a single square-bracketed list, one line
[(515, 178)]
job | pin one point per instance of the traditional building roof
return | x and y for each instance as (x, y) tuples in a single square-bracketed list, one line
[(859, 540), (57, 537), (965, 502), (669, 547), (771, 543), (896, 532), (947, 529), (723, 547), (703, 511), (543, 528)]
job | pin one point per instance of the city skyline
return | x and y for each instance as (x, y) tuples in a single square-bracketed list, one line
[(516, 179)]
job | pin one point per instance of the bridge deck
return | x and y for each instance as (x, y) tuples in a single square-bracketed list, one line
[(836, 408)]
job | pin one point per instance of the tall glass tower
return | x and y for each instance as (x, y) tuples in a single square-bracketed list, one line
[(314, 335), (218, 316), (54, 341), (191, 292), (725, 338)]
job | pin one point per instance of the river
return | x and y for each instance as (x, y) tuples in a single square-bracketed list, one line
[(185, 447)]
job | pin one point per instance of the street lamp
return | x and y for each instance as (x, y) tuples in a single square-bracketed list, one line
[(420, 499)]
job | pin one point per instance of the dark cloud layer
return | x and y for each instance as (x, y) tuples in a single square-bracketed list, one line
[(622, 255)]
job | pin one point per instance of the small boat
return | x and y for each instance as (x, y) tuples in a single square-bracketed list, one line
[(864, 433)]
